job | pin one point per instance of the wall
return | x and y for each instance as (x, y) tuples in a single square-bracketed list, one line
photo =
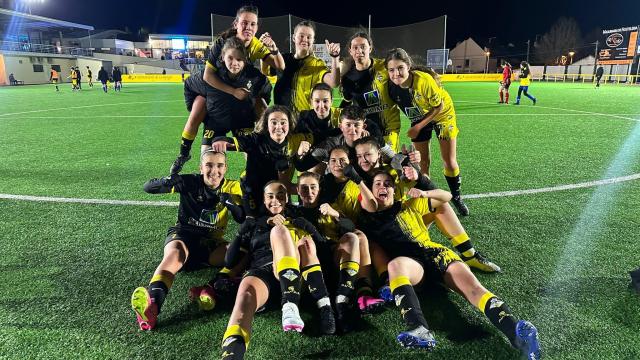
[(148, 69), (24, 71)]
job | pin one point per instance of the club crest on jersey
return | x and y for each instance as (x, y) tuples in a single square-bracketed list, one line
[(209, 216), (379, 77), (413, 112), (249, 85), (372, 98)]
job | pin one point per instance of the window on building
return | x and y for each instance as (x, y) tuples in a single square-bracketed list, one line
[(38, 68)]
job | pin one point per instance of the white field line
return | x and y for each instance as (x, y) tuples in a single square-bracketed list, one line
[(86, 107), (470, 196)]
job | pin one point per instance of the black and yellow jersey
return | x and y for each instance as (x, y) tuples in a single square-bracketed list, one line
[(89, 73), (295, 82), (256, 49), (401, 223), (525, 76), (200, 209), (224, 111), (329, 227), (368, 90), (309, 123), (263, 153), (402, 186), (258, 244), (343, 197), (420, 97)]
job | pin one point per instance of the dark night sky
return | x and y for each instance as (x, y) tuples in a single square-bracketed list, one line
[(507, 21)]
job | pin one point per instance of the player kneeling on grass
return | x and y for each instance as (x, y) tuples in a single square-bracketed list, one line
[(275, 246), (197, 238), (397, 226)]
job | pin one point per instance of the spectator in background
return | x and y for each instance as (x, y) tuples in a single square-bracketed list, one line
[(79, 74), (12, 80), (117, 79), (103, 77), (599, 73), (164, 72)]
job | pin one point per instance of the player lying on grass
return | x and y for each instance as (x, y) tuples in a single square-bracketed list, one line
[(197, 239), (369, 162), (419, 94), (277, 247), (269, 152), (342, 250), (398, 227), (221, 112)]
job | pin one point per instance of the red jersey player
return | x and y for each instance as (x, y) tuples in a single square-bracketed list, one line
[(504, 84)]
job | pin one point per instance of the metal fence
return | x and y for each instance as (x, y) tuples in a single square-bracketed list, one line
[(415, 38), (42, 48)]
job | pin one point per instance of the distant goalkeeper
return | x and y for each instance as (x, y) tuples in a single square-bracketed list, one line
[(505, 82)]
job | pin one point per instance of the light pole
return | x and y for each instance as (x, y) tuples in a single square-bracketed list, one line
[(571, 53), (486, 67)]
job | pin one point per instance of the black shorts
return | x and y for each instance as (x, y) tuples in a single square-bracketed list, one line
[(506, 85), (265, 273), (434, 260), (199, 246), (426, 133), (210, 132)]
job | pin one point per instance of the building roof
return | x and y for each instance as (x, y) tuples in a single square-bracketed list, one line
[(16, 21)]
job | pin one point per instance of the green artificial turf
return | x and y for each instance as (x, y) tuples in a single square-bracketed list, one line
[(67, 270)]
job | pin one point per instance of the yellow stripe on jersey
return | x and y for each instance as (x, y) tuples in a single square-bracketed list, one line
[(294, 142), (426, 96), (391, 113), (256, 49), (310, 73), (347, 201), (296, 233), (410, 221)]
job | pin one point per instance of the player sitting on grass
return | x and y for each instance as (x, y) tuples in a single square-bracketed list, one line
[(398, 227), (343, 249), (196, 240), (274, 264), (367, 151)]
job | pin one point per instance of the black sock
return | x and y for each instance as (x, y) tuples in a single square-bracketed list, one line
[(185, 143), (407, 300), (234, 343), (312, 275), (346, 279), (499, 314), (158, 291), (454, 184), (289, 276), (383, 278)]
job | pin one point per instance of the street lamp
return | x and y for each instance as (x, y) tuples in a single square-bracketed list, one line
[(486, 68), (571, 53)]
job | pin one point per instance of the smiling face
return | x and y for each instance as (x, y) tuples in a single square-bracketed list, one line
[(338, 159), (398, 71), (359, 49), (213, 167), (308, 190), (303, 39), (275, 198), (367, 157), (278, 126), (382, 189), (233, 61), (321, 103), (246, 25)]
